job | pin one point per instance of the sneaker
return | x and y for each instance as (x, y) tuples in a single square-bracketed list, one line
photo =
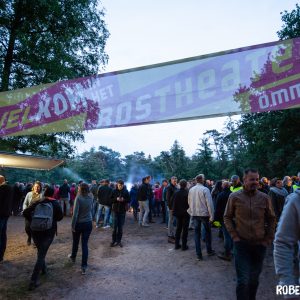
[(199, 257), (83, 271), (97, 226), (171, 240), (45, 271), (33, 284), (211, 253), (112, 244), (183, 248), (224, 256), (145, 225), (107, 226), (71, 259), (120, 245)]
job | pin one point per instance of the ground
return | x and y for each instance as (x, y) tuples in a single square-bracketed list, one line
[(147, 267)]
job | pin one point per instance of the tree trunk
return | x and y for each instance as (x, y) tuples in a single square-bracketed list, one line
[(11, 45)]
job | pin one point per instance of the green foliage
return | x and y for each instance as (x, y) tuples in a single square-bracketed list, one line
[(291, 24), (47, 41)]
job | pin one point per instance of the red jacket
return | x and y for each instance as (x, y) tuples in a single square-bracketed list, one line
[(157, 194)]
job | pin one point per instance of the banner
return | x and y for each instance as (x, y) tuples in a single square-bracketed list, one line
[(252, 79)]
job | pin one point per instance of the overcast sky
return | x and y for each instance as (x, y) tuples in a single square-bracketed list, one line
[(145, 32)]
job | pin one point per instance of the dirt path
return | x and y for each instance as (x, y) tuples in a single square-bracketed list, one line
[(147, 267)]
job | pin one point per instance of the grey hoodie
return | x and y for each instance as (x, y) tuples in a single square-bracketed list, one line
[(287, 236)]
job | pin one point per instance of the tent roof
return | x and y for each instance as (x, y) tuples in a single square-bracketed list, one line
[(23, 161)]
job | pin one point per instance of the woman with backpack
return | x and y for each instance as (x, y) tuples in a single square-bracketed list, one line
[(42, 215), (31, 197), (82, 224)]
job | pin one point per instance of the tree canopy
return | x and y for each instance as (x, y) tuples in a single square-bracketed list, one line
[(46, 41)]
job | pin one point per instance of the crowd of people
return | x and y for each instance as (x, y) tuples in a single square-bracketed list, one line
[(247, 215)]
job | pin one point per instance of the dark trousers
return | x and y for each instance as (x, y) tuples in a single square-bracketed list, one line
[(82, 230), (118, 223), (28, 230), (248, 264), (3, 236), (42, 242), (150, 209), (182, 230), (157, 208), (197, 234), (163, 211)]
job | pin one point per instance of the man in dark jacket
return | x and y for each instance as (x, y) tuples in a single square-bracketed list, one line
[(222, 199), (43, 239), (64, 192), (180, 207), (6, 198), (143, 198), (120, 200), (171, 189), (105, 201)]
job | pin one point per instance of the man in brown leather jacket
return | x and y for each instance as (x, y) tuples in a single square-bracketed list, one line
[(250, 220)]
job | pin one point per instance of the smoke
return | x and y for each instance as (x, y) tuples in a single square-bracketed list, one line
[(73, 176)]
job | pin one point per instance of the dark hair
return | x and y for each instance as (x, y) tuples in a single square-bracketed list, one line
[(183, 183), (120, 181), (274, 180), (49, 191), (250, 170), (218, 187), (84, 189), (165, 180)]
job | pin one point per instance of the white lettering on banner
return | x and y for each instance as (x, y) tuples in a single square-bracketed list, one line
[(206, 81), (140, 106), (183, 94), (232, 80), (126, 108), (43, 108), (263, 101), (292, 91), (105, 118), (280, 96), (74, 99), (162, 93), (110, 90), (254, 60), (59, 100)]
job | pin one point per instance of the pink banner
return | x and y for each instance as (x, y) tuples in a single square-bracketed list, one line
[(251, 79)]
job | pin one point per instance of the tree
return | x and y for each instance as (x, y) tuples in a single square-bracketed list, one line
[(173, 162), (203, 159), (46, 41)]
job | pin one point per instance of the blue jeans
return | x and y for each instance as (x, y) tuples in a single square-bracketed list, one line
[(197, 234), (106, 214), (118, 223), (3, 236), (248, 264), (84, 230), (95, 209), (42, 242), (228, 243)]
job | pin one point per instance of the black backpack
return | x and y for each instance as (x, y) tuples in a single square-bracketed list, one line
[(42, 218)]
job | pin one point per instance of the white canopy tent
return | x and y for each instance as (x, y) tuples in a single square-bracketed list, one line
[(23, 161)]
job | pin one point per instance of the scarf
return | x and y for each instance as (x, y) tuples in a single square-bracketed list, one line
[(281, 192)]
